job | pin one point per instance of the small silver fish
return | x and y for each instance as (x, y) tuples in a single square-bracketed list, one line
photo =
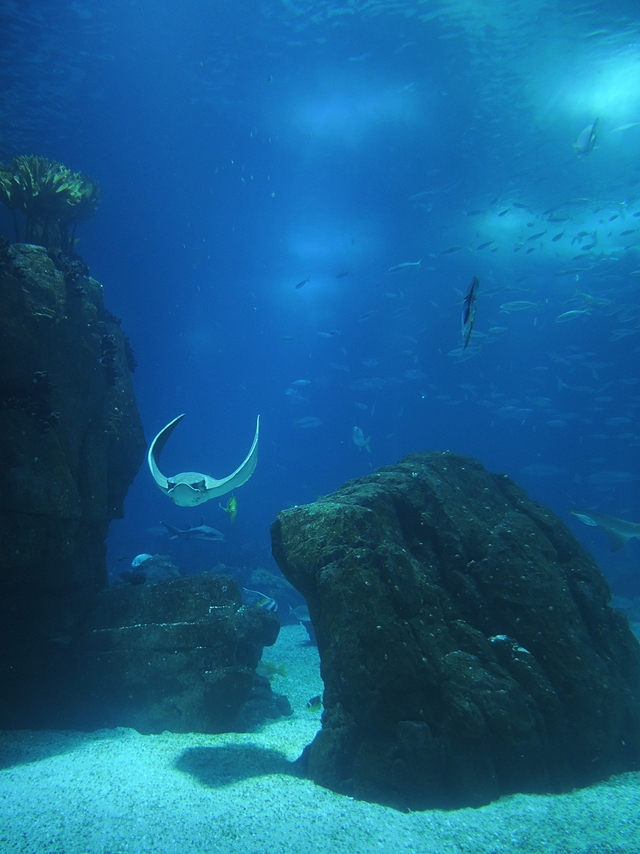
[(518, 305), (140, 559), (406, 265), (571, 315), (301, 613), (367, 315)]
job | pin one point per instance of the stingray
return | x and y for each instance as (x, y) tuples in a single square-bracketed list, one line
[(190, 488)]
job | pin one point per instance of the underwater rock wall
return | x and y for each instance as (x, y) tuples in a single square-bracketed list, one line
[(71, 444), (467, 646)]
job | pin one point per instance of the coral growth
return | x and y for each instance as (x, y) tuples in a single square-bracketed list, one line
[(52, 198)]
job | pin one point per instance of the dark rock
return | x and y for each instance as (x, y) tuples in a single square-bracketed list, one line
[(177, 655), (263, 704), (151, 568), (467, 646), (71, 443)]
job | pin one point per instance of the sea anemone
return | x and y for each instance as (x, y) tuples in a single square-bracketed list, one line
[(52, 198)]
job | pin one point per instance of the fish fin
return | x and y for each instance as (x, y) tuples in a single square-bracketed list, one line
[(174, 533), (170, 529), (617, 541), (155, 450)]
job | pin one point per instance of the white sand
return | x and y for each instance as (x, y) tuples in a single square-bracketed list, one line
[(116, 791)]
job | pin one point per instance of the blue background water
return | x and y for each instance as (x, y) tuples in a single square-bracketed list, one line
[(242, 147)]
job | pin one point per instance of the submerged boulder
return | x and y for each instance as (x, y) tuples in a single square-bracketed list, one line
[(71, 444), (467, 646), (177, 655)]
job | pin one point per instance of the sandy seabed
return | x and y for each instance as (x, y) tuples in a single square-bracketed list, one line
[(117, 791)]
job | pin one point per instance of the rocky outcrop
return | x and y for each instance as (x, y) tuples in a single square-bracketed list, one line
[(467, 646), (71, 443), (177, 655)]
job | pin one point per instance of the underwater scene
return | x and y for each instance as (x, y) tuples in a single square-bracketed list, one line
[(320, 426)]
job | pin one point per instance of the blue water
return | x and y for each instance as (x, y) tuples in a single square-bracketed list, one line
[(243, 147)]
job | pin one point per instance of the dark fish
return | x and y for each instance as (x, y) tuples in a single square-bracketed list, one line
[(537, 236), (586, 140), (314, 704), (557, 237), (303, 282), (469, 311), (309, 422), (504, 212), (620, 531), (342, 274), (198, 532), (450, 250), (484, 245)]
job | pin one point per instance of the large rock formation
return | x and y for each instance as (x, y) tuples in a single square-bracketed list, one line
[(71, 443), (467, 646), (176, 655)]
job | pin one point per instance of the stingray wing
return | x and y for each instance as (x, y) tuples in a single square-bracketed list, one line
[(188, 489)]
